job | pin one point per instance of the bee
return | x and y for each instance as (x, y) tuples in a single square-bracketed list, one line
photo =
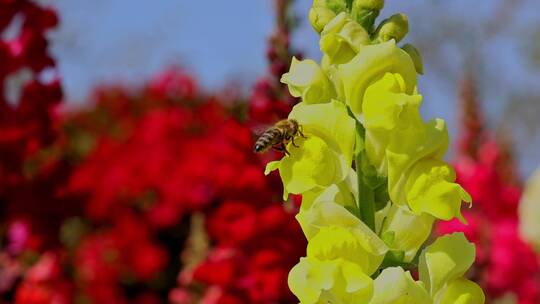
[(278, 136)]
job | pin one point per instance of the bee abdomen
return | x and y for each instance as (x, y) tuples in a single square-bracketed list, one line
[(269, 138)]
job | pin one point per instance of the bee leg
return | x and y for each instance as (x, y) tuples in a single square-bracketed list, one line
[(301, 132), (281, 148), (285, 151), (292, 140)]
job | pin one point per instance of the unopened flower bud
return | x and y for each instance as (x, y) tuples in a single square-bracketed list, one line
[(366, 11), (337, 6), (319, 17), (342, 38), (415, 56), (395, 27), (368, 4)]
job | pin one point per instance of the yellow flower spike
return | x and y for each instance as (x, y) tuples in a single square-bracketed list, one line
[(361, 104), (386, 107), (410, 230), (342, 38), (448, 258), (329, 216), (407, 147), (396, 286), (337, 281), (324, 157), (395, 27), (307, 80), (431, 189), (370, 65)]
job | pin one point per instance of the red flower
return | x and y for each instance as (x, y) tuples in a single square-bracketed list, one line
[(233, 223), (146, 260)]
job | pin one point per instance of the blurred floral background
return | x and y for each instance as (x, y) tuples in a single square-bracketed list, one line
[(126, 130)]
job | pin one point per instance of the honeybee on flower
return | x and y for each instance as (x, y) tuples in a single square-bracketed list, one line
[(278, 136)]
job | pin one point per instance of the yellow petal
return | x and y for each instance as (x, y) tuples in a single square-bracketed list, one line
[(448, 258), (410, 230), (337, 281), (461, 291), (395, 286), (431, 189), (371, 64), (328, 215), (307, 80), (407, 147)]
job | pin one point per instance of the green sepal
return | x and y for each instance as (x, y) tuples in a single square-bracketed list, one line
[(388, 237), (360, 145), (355, 211), (366, 18), (371, 178), (365, 12), (381, 196), (394, 258)]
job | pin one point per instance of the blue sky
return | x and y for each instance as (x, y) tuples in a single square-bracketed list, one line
[(127, 41)]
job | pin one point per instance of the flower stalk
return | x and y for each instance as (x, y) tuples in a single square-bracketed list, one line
[(366, 195)]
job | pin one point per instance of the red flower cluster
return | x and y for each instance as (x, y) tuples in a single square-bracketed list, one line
[(506, 265), (251, 258), (44, 282), (98, 205), (29, 93), (29, 210), (164, 155)]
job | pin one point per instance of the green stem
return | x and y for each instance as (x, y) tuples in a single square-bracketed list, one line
[(366, 194), (366, 197)]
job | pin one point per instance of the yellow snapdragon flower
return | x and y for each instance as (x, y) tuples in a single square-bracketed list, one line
[(442, 266), (342, 250), (448, 258), (409, 230), (336, 281), (347, 228), (370, 65)]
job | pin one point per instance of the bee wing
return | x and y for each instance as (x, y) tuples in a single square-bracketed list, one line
[(260, 129)]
